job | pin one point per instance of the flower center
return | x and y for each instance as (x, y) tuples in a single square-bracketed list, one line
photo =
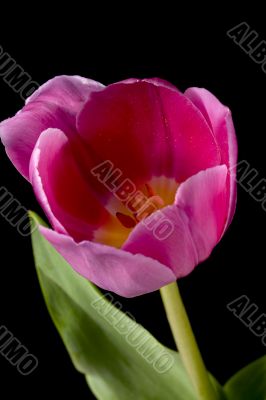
[(149, 204), (124, 216)]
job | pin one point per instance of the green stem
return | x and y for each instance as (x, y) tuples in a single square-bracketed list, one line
[(186, 342)]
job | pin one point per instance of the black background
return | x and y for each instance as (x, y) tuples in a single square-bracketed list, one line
[(188, 48)]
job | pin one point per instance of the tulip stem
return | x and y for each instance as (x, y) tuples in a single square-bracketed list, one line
[(186, 342)]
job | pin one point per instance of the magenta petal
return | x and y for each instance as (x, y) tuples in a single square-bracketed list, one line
[(154, 81), (60, 188), (54, 105), (198, 217), (219, 119), (39, 182), (116, 270), (147, 128), (203, 199)]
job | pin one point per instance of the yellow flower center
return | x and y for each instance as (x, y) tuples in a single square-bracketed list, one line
[(157, 193)]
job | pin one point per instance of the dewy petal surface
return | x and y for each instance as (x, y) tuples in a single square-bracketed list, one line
[(54, 105), (147, 130)]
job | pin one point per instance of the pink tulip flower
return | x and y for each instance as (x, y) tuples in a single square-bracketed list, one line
[(137, 179)]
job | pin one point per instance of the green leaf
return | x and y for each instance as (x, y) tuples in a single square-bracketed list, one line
[(249, 383), (103, 346)]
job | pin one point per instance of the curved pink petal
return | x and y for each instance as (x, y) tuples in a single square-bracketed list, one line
[(119, 271), (153, 81), (147, 129), (219, 119), (197, 218), (54, 105), (60, 188)]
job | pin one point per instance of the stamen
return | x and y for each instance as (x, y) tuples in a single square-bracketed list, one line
[(153, 203), (126, 220), (149, 190)]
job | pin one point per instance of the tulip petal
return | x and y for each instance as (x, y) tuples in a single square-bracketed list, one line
[(54, 105), (65, 195), (61, 189), (197, 217), (153, 81), (147, 129), (116, 270), (219, 119)]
